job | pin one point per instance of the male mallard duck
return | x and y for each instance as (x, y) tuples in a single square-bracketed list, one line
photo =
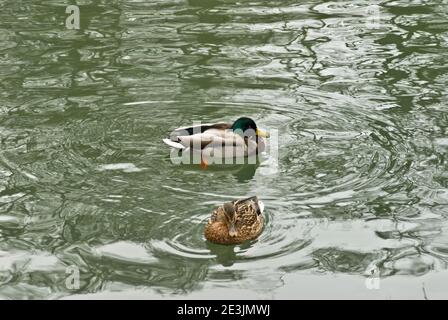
[(235, 222), (220, 140)]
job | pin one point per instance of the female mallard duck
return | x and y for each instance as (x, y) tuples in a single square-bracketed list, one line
[(220, 140), (235, 222)]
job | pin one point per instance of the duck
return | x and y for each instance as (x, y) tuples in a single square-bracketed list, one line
[(236, 222), (221, 140)]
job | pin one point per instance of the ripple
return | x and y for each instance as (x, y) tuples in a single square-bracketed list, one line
[(125, 251), (125, 167)]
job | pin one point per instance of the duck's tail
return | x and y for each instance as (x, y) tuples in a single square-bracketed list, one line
[(173, 144)]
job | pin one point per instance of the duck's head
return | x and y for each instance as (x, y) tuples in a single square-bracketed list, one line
[(247, 127), (230, 219)]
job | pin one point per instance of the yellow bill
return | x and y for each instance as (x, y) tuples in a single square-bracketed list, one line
[(262, 133)]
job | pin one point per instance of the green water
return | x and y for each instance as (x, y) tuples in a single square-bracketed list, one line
[(361, 179)]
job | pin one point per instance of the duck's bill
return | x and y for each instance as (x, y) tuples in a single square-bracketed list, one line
[(262, 133), (232, 230)]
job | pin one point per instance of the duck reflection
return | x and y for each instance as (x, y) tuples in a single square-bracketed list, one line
[(225, 254), (242, 172), (246, 173)]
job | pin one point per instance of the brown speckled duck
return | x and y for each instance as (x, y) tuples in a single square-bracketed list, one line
[(235, 222)]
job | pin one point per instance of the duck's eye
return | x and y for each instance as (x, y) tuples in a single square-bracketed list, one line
[(232, 231)]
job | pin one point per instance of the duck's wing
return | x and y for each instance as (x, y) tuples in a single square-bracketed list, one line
[(188, 131), (251, 204), (185, 137), (205, 139), (217, 215)]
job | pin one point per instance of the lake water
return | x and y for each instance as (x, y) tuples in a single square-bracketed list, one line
[(356, 197)]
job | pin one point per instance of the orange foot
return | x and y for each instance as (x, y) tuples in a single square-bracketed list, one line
[(204, 164)]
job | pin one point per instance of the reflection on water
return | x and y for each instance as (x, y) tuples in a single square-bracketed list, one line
[(355, 89)]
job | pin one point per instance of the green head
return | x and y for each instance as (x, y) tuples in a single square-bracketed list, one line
[(243, 124)]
